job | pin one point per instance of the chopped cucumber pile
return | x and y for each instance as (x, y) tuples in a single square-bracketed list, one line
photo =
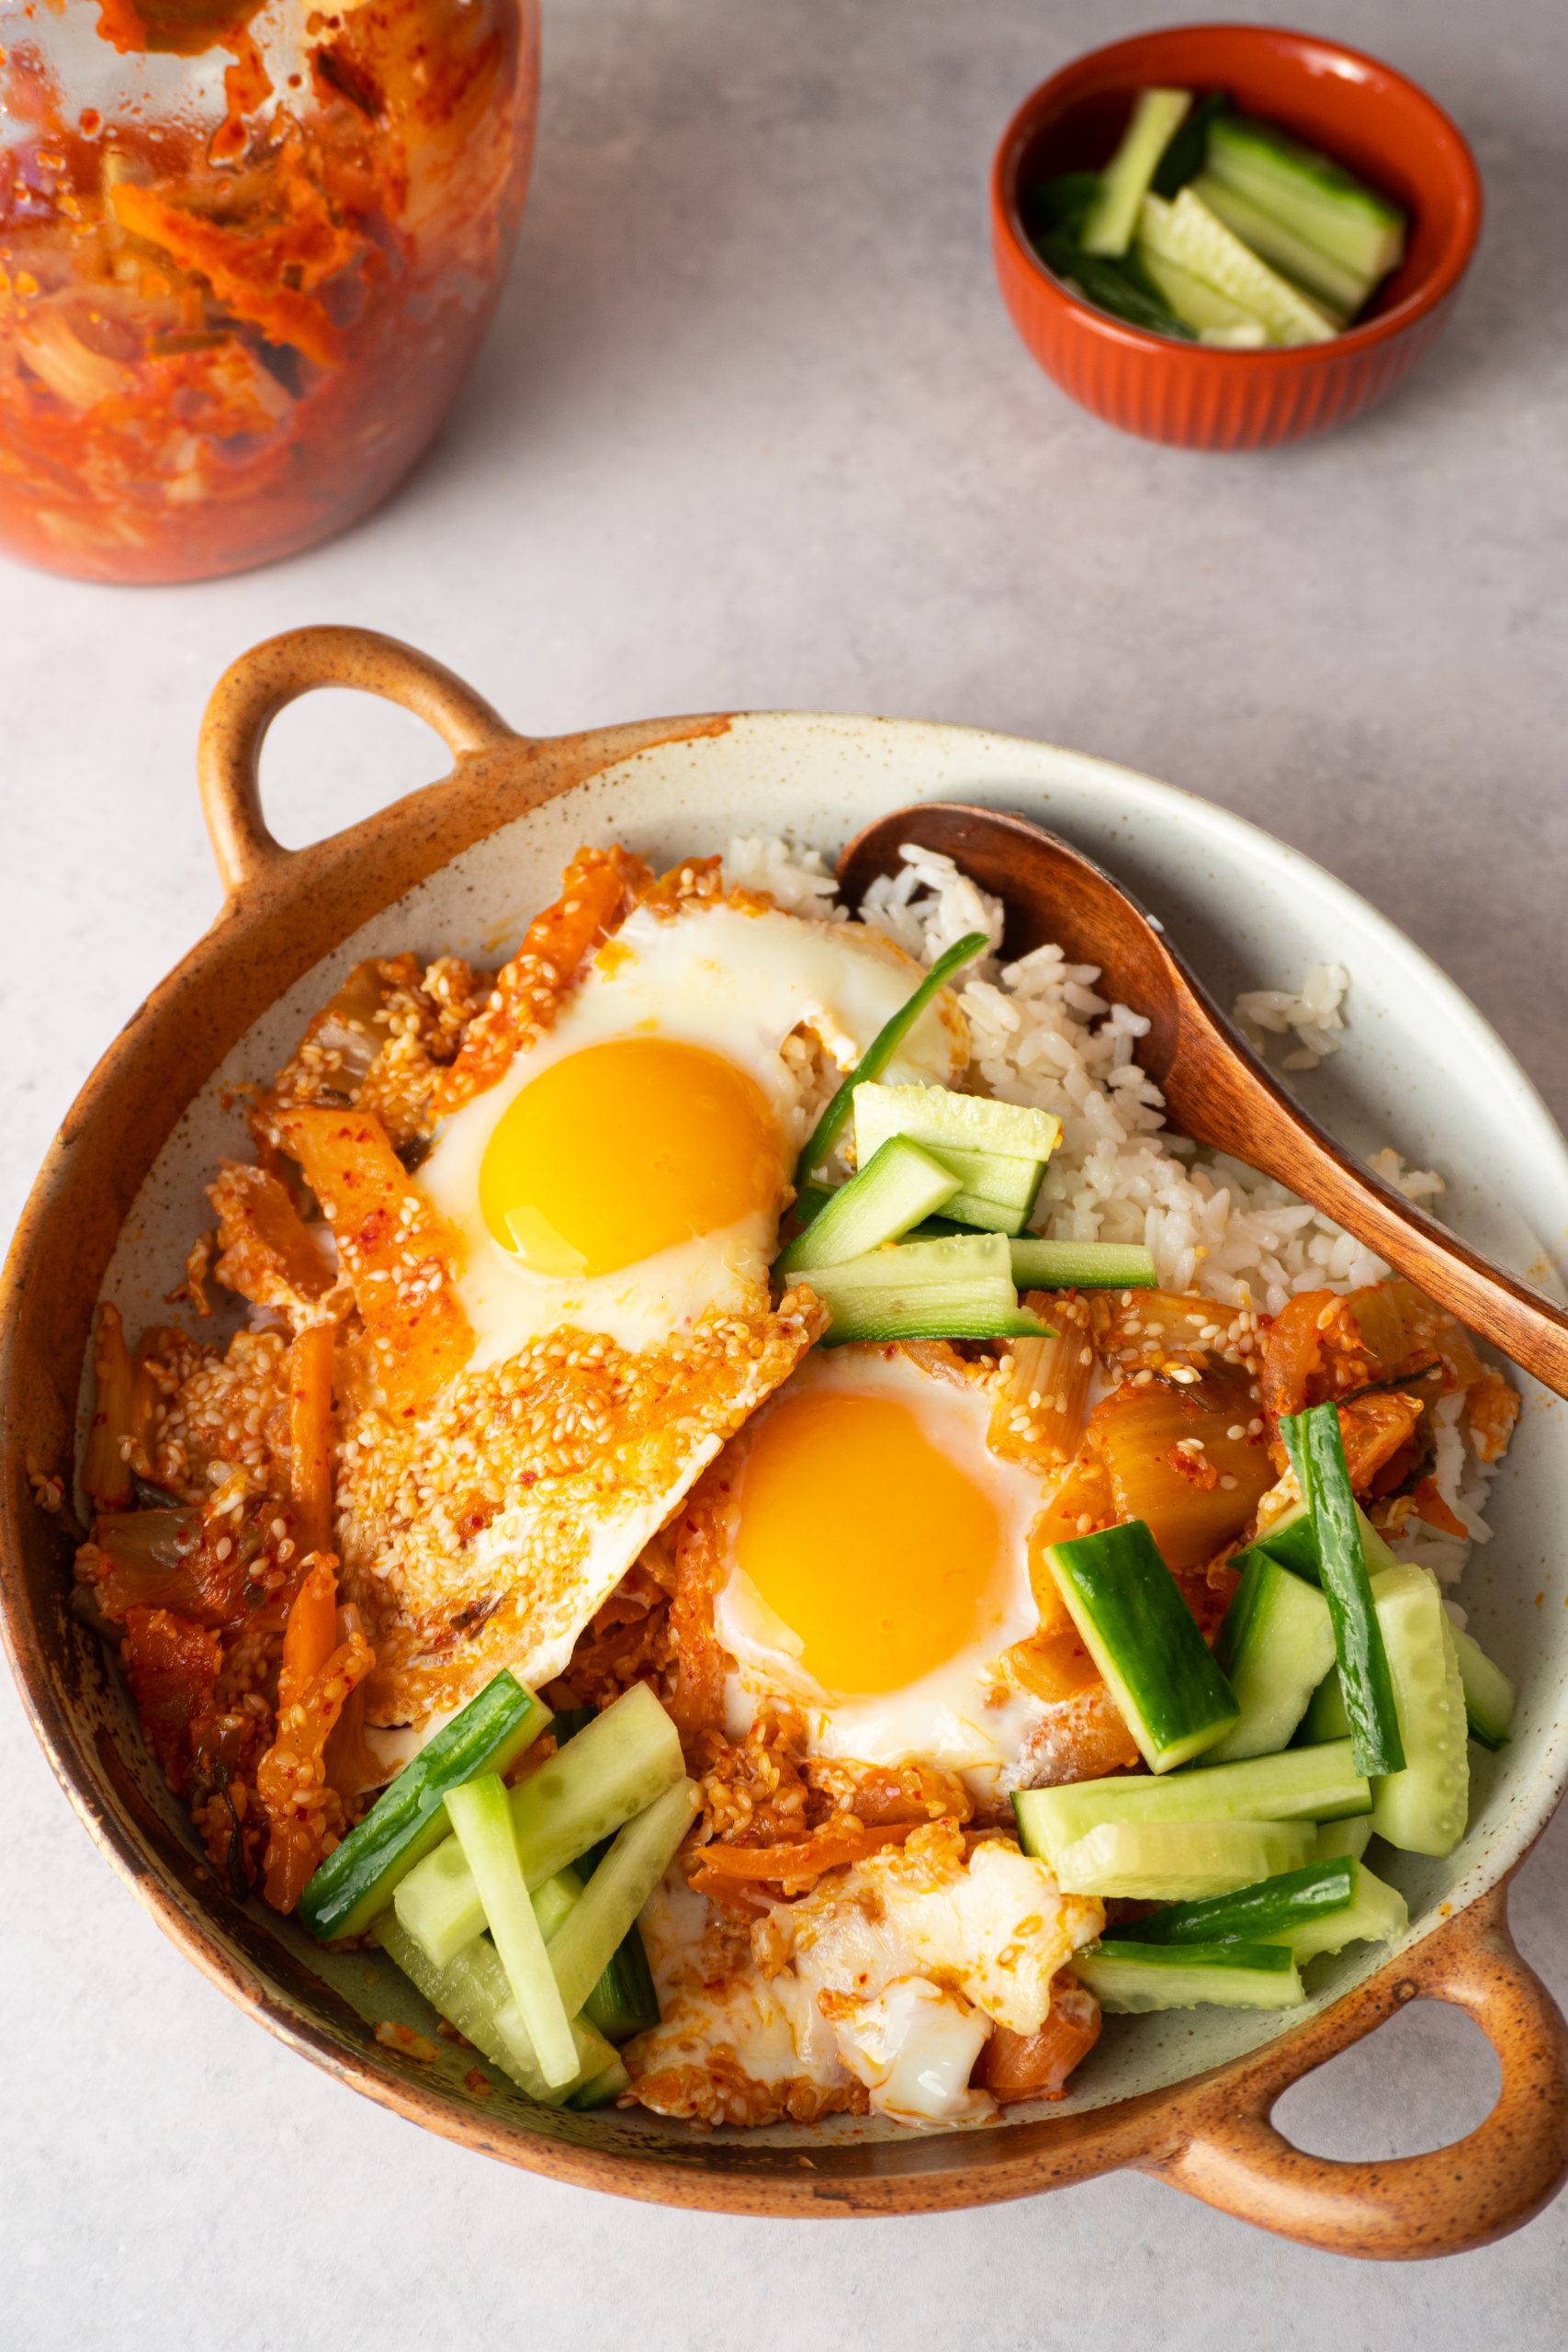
[(1209, 226), (513, 1911), (1246, 1841)]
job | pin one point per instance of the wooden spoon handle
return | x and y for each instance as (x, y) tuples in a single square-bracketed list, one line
[(1240, 1110)]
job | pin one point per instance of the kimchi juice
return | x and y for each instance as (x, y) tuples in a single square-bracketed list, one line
[(247, 254)]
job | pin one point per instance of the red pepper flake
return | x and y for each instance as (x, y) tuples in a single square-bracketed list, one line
[(409, 2044)]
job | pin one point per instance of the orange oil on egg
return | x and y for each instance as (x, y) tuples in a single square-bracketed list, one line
[(626, 1148), (883, 1557)]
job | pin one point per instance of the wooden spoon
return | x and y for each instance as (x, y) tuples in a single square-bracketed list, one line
[(1215, 1088)]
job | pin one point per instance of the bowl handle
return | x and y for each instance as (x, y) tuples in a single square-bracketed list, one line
[(252, 691), (1445, 2201)]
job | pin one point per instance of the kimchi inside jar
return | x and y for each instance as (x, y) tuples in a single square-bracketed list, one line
[(247, 254)]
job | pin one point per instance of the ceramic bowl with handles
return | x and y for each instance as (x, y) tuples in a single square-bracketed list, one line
[(463, 863)]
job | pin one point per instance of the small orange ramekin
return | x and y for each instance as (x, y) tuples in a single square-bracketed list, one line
[(1361, 113)]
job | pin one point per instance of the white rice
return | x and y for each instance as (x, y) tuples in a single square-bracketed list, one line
[(1043, 1035)]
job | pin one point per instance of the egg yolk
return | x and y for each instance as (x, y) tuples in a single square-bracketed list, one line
[(879, 1555), (615, 1153)]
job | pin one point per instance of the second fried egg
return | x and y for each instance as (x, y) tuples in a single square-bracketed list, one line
[(877, 1567)]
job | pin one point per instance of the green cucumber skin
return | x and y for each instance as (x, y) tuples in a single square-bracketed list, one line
[(1322, 201), (1340, 290), (1132, 1981), (601, 2090), (1179, 1860), (359, 1878), (957, 1288), (1291, 1541), (1185, 156), (1111, 285), (819, 1143), (1081, 1265), (1253, 1915), (1275, 1644), (1303, 1784), (1317, 1455), (1319, 1909), (625, 2002), (1129, 1610)]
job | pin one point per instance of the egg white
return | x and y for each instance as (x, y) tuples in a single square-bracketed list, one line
[(737, 984), (964, 1715)]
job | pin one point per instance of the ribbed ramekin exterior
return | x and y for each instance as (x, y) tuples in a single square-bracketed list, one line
[(1194, 398)]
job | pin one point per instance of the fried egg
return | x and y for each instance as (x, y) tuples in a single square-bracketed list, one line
[(877, 1567), (626, 1174)]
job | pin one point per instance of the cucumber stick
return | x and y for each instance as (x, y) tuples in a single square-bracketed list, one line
[(1276, 1646), (1211, 316), (1423, 1806), (604, 2087), (1132, 1979), (943, 1121), (359, 1878), (1303, 1784), (592, 1932), (1158, 1861), (1320, 1908), (958, 1287), (1130, 1612), (819, 1144), (1081, 1265), (1340, 290), (1188, 234), (899, 1185), (617, 1766), (1319, 199), (1349, 1838), (1489, 1695), (1290, 1540), (999, 1150), (472, 1994), (1124, 183), (481, 1821), (1317, 1455)]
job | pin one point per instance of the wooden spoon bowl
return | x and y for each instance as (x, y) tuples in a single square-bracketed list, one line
[(1215, 1088)]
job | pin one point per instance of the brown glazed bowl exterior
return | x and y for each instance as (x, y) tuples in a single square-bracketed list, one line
[(1208, 2132), (1362, 113)]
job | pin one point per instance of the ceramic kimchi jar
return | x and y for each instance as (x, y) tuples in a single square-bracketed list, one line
[(248, 250)]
